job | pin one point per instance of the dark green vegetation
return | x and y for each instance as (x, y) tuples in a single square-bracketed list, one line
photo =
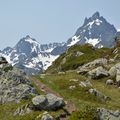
[(88, 113), (70, 60)]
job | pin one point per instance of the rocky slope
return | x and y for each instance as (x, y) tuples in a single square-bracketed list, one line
[(89, 77), (14, 84)]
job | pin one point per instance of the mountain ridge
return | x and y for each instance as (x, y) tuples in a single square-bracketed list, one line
[(34, 58)]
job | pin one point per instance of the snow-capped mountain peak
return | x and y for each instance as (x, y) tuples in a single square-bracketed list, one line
[(30, 55), (96, 31)]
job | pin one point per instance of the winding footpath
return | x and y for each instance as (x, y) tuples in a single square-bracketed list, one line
[(70, 107)]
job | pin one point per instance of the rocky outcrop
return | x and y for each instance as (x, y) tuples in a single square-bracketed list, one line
[(98, 94), (47, 102), (97, 73), (105, 114), (14, 84), (91, 65)]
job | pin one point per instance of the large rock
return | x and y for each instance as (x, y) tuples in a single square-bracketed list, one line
[(97, 73), (47, 102), (91, 65), (105, 114)]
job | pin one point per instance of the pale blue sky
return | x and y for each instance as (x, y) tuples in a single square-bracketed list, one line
[(50, 20)]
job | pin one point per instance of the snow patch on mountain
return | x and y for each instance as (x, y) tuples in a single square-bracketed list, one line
[(75, 39), (93, 42)]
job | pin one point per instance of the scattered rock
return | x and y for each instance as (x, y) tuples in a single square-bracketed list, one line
[(46, 116), (47, 102), (78, 54), (109, 82), (97, 73), (61, 73), (105, 114), (86, 83), (73, 80), (72, 87), (98, 94)]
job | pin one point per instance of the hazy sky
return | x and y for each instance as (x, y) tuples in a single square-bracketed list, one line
[(50, 20)]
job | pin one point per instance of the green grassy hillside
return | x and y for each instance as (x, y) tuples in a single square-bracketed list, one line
[(70, 60)]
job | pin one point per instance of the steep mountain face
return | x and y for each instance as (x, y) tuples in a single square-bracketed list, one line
[(96, 31), (30, 55)]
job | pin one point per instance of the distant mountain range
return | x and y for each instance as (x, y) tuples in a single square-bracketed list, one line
[(33, 57), (30, 55)]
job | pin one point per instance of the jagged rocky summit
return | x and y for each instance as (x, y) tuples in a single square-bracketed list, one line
[(96, 31)]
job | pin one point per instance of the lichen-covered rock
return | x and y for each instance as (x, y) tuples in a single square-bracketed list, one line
[(47, 102), (97, 73)]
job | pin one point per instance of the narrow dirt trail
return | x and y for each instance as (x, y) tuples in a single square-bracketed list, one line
[(44, 88), (70, 107)]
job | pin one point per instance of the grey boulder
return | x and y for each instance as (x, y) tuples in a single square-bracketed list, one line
[(97, 73), (47, 102), (105, 114)]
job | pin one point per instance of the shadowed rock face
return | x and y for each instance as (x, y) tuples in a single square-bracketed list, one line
[(14, 84)]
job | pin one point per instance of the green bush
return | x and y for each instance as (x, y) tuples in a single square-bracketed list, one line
[(88, 113)]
